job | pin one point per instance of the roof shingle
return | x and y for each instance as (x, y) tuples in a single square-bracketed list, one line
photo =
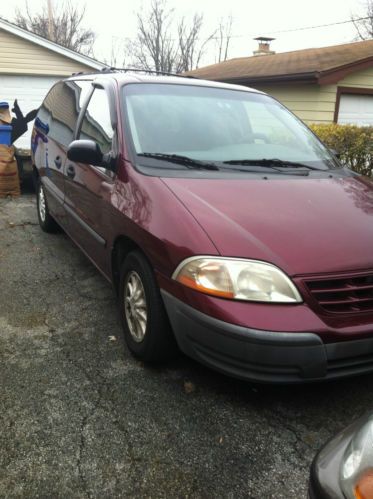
[(297, 62)]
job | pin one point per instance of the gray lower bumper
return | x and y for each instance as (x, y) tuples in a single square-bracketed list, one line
[(264, 356)]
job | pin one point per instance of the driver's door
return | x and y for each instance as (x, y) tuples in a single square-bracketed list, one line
[(88, 187)]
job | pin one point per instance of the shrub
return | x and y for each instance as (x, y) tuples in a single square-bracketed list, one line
[(353, 143)]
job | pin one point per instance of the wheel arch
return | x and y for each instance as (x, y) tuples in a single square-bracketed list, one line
[(122, 246)]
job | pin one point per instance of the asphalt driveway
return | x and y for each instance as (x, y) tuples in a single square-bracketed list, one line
[(79, 417)]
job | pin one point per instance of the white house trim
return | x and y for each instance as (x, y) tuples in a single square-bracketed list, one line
[(54, 47)]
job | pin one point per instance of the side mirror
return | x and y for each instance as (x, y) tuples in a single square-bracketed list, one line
[(85, 151)]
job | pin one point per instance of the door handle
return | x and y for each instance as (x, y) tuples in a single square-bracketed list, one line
[(58, 162), (70, 172)]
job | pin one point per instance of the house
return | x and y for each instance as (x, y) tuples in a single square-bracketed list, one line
[(320, 85), (30, 64)]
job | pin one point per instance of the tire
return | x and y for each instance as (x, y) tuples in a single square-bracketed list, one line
[(46, 221), (149, 339)]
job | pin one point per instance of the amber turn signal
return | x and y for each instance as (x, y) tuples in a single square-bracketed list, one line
[(364, 486)]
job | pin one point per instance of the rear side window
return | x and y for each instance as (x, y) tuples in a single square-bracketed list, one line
[(61, 108), (96, 123)]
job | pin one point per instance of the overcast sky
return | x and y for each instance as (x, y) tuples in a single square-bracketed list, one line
[(113, 20)]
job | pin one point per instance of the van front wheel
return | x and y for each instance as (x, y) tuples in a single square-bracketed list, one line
[(145, 324)]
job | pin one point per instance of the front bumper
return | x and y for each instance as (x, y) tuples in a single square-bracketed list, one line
[(264, 356)]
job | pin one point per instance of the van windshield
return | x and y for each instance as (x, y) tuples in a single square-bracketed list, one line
[(219, 126)]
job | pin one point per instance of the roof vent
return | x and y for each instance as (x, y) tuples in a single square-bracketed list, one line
[(264, 46)]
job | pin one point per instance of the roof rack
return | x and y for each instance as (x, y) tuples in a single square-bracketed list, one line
[(146, 71), (133, 70)]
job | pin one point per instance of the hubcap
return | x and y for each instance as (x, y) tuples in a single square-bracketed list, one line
[(42, 205), (135, 306)]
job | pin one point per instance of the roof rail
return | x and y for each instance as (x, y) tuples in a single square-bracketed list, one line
[(134, 70), (103, 70), (146, 71)]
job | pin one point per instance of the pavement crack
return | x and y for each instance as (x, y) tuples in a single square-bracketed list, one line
[(99, 386), (82, 444), (98, 383), (12, 225), (276, 421), (79, 466)]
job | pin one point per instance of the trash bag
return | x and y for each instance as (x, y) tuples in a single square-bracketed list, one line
[(19, 123)]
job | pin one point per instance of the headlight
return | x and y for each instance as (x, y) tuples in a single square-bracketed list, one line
[(249, 280), (356, 474)]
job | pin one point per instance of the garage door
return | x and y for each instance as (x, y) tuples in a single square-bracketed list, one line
[(30, 92), (356, 109)]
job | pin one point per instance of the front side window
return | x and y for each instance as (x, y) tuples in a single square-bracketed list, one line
[(217, 125), (96, 123)]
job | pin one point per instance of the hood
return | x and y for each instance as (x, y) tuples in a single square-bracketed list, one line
[(303, 225)]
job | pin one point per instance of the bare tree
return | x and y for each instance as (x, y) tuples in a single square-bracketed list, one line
[(191, 46), (118, 53), (164, 43), (223, 38), (62, 25), (154, 47), (364, 27)]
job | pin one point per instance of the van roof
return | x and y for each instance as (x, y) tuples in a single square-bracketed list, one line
[(124, 77)]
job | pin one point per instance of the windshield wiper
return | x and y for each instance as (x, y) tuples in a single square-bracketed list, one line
[(270, 162), (181, 160)]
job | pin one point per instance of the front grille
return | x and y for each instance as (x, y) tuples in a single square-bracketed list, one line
[(345, 294)]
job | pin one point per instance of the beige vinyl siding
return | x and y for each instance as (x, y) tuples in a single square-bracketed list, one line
[(362, 79), (19, 56), (316, 103), (311, 103)]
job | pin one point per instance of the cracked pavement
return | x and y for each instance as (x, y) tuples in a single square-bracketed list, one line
[(80, 417)]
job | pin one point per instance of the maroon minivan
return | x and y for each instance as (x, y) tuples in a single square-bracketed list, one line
[(226, 227)]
